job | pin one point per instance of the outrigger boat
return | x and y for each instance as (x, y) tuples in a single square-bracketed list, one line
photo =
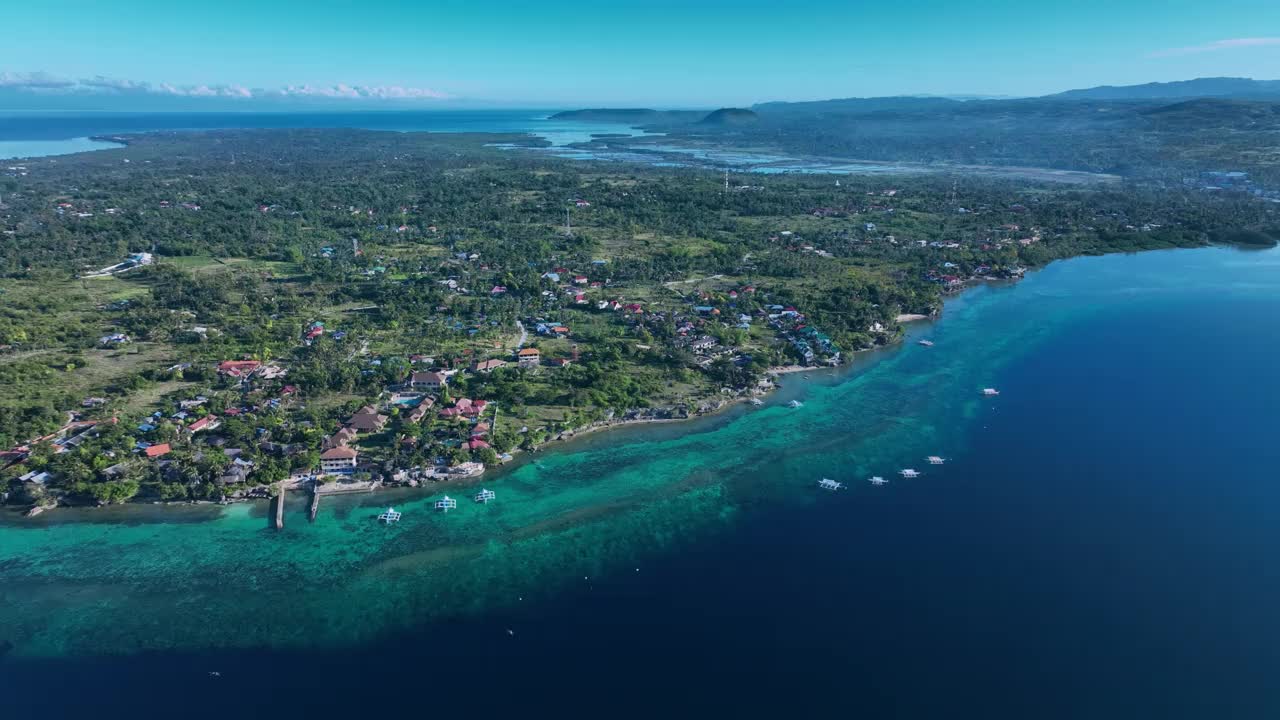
[(389, 516), (795, 404), (927, 343), (989, 392), (829, 484), (877, 480), (484, 496), (446, 503), (757, 401), (909, 473), (935, 460)]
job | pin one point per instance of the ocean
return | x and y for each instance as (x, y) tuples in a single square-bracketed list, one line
[(32, 134), (1098, 545)]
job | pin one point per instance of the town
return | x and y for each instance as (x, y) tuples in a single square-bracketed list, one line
[(408, 309)]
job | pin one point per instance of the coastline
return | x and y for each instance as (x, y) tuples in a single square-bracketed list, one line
[(767, 386)]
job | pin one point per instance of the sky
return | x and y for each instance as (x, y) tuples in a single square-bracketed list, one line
[(552, 53)]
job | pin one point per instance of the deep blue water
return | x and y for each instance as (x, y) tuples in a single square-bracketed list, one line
[(1106, 552)]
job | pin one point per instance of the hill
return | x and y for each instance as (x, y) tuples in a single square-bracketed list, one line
[(730, 116)]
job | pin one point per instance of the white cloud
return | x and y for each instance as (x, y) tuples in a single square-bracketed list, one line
[(34, 80), (1229, 44), (42, 82)]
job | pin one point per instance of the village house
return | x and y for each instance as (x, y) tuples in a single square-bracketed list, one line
[(488, 366), (208, 422), (157, 450), (338, 461), (428, 380), (238, 368), (367, 419), (420, 412), (340, 438), (529, 358)]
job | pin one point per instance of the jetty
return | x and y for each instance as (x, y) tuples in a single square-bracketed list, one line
[(279, 521), (315, 502)]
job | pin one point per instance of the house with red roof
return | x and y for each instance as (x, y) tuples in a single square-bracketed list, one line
[(158, 450), (238, 368), (208, 422), (529, 357)]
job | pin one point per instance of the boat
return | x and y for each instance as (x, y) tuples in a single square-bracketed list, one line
[(446, 504), (795, 404), (484, 496), (989, 392), (909, 473), (757, 402), (927, 343), (935, 460), (829, 484), (877, 480), (389, 516)]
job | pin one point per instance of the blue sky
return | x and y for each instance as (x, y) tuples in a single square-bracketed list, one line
[(659, 52)]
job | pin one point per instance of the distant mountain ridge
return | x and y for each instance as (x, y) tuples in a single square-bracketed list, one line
[(1219, 87)]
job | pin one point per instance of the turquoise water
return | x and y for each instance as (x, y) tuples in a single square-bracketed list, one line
[(1098, 545), (10, 149), (73, 584), (32, 135)]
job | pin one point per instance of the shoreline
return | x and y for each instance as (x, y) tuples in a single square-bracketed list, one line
[(767, 386)]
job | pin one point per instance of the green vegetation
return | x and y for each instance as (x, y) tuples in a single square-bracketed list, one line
[(354, 267)]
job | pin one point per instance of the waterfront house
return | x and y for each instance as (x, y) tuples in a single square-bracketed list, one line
[(338, 461)]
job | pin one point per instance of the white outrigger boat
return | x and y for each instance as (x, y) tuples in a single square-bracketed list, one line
[(829, 484), (936, 460), (757, 402), (990, 392), (795, 404), (877, 480), (926, 343), (389, 516), (446, 503), (484, 496), (909, 473)]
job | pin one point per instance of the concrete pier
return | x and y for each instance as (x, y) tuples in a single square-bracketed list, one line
[(280, 510), (315, 502)]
